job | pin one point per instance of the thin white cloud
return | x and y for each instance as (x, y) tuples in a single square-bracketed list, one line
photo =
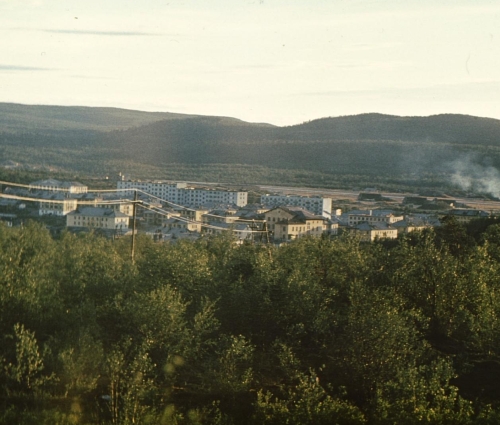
[(22, 68), (106, 33), (90, 77), (492, 85), (366, 66), (364, 47)]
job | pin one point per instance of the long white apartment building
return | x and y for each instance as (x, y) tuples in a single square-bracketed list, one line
[(161, 189), (56, 204), (56, 185), (182, 194), (314, 204), (355, 217)]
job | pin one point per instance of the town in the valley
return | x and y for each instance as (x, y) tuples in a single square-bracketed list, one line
[(173, 210)]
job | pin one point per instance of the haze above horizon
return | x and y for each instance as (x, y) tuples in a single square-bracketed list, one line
[(281, 62)]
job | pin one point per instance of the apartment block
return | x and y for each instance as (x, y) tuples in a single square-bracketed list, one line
[(316, 205), (289, 223), (97, 218), (56, 204), (182, 194), (56, 185), (355, 217)]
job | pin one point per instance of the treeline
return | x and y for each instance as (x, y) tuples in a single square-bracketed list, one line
[(315, 332), (404, 153), (87, 163)]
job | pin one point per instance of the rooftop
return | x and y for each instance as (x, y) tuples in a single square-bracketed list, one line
[(98, 212)]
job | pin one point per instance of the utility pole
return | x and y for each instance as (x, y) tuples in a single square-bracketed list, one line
[(266, 230), (253, 227), (134, 209)]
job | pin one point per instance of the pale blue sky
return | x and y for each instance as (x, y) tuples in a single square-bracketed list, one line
[(278, 61)]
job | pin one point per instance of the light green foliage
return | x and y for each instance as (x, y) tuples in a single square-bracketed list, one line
[(305, 403), (27, 369), (183, 266), (492, 237), (317, 331), (429, 278), (422, 395), (131, 387), (231, 372), (27, 289), (376, 343), (160, 320), (82, 365), (459, 296)]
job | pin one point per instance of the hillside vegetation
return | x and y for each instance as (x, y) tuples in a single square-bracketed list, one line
[(317, 332), (417, 152), (26, 118)]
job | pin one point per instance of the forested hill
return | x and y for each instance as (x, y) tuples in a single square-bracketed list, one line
[(22, 118), (449, 128), (367, 145), (319, 152)]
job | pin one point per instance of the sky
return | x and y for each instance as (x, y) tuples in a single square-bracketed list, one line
[(277, 61)]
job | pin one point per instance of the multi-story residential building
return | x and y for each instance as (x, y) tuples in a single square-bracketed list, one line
[(56, 204), (161, 189), (288, 223), (56, 185), (156, 214), (208, 196), (355, 217), (410, 224), (114, 202), (182, 194), (98, 218), (117, 203), (316, 205), (331, 227), (368, 232), (193, 217), (241, 231), (181, 223), (221, 216)]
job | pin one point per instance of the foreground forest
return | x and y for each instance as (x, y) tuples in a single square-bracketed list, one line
[(315, 332)]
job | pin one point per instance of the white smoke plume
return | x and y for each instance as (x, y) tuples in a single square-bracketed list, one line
[(470, 175)]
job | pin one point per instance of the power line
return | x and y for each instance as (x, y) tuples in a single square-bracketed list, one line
[(103, 202), (55, 189), (190, 209), (61, 201), (202, 224)]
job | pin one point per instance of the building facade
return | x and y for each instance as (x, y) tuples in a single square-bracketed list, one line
[(355, 217), (56, 204), (193, 217), (98, 218), (182, 194), (316, 205), (368, 232), (56, 185), (289, 223)]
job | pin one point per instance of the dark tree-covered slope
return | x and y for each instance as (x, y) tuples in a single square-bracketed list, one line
[(144, 144), (15, 118), (367, 144), (447, 128)]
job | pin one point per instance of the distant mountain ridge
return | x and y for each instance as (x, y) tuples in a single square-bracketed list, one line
[(16, 117), (443, 127), (162, 144)]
